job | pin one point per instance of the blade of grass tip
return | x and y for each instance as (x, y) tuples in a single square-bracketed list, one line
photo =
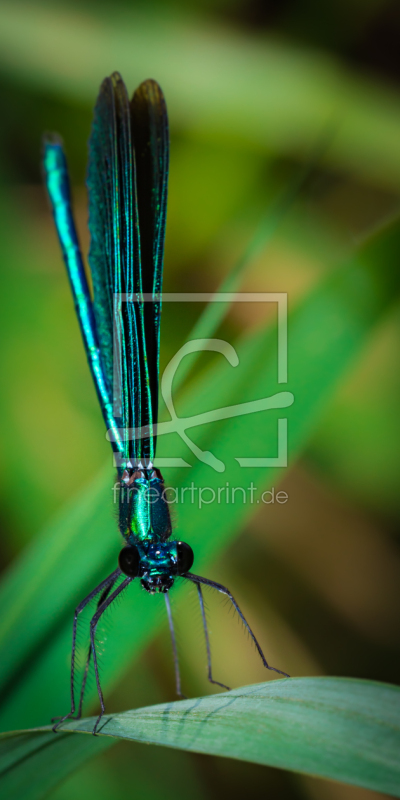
[(216, 309)]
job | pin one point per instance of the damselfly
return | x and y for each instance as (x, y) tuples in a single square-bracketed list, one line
[(127, 185)]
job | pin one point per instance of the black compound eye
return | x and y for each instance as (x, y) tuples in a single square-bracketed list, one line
[(185, 557), (129, 560)]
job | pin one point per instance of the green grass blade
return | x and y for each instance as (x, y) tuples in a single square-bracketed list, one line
[(326, 333), (338, 728)]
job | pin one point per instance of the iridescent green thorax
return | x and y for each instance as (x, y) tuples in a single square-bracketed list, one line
[(144, 512), (148, 554)]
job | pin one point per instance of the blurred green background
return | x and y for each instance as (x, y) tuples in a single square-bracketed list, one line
[(252, 89)]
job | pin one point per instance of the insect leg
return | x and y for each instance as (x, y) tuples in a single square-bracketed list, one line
[(108, 582), (208, 648), (197, 579), (102, 597), (174, 648), (93, 625)]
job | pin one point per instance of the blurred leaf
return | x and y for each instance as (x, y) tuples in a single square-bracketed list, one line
[(325, 333), (337, 728), (33, 764), (368, 431), (110, 776), (218, 83), (210, 320), (47, 391)]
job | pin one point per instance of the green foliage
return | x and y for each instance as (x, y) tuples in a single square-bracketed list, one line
[(36, 631), (220, 85)]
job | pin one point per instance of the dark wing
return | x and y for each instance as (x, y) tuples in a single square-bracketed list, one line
[(149, 125), (114, 258), (127, 184)]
